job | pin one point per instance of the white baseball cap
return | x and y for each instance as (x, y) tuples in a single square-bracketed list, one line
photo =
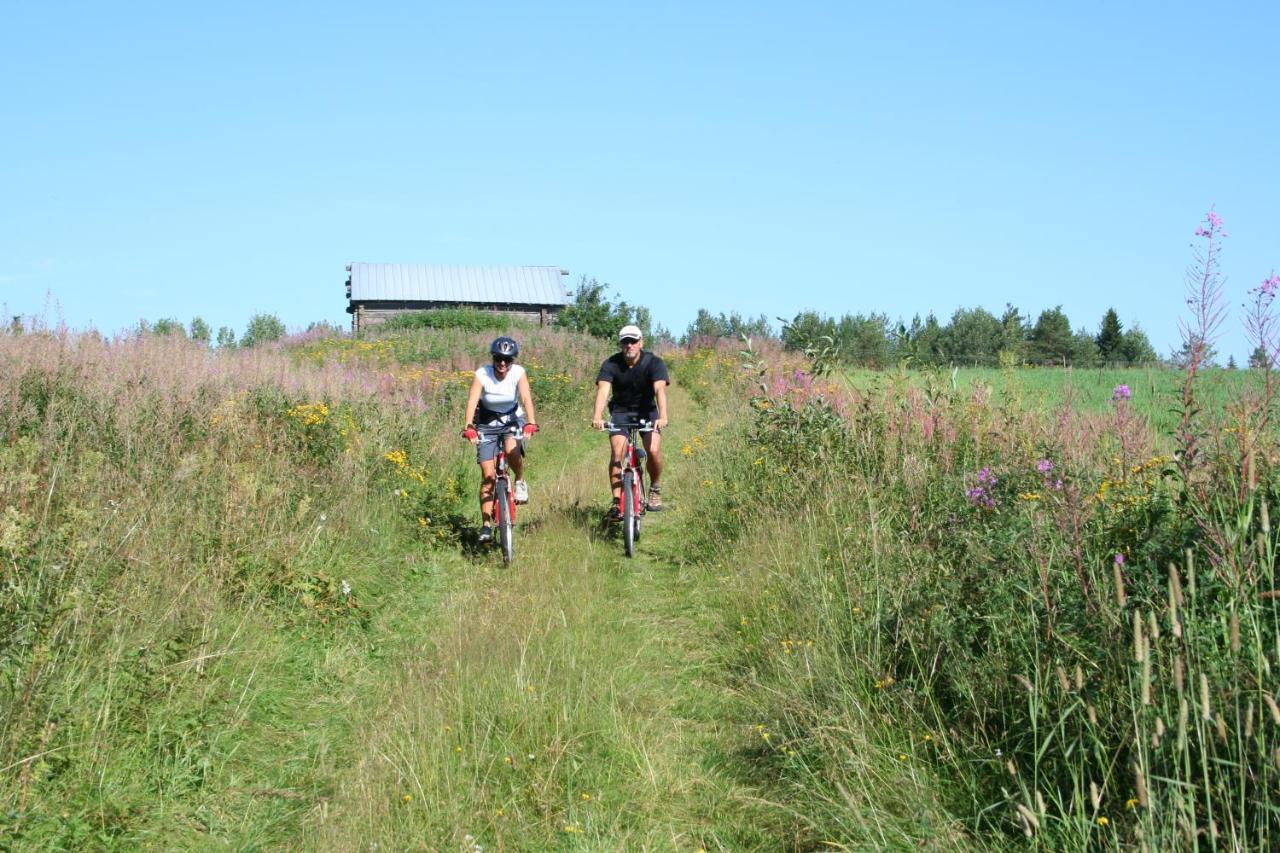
[(630, 332)]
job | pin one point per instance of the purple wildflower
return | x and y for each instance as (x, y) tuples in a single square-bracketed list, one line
[(1269, 286), (982, 495), (1044, 466), (1121, 392), (1119, 559)]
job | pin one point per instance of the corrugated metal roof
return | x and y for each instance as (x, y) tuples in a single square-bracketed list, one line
[(428, 283)]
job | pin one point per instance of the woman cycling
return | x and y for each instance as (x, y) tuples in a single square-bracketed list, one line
[(499, 397)]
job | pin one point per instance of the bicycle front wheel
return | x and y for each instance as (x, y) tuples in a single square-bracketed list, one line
[(629, 519), (503, 515)]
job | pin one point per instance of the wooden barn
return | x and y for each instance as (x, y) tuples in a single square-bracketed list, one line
[(378, 291)]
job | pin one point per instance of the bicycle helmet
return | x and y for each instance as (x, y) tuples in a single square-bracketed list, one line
[(505, 347)]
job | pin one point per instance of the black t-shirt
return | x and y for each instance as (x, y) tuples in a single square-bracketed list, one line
[(633, 386)]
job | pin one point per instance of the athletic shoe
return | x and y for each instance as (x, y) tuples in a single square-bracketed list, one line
[(614, 514), (655, 501), (486, 533), (522, 492)]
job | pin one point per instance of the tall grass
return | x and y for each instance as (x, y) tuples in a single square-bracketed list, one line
[(953, 612), (197, 551)]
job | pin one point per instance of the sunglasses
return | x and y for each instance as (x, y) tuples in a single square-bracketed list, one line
[(629, 341), (502, 359)]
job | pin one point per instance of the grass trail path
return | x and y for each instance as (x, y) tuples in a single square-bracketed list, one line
[(556, 703)]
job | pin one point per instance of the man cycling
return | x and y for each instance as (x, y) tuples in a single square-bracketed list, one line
[(637, 381), (499, 397)]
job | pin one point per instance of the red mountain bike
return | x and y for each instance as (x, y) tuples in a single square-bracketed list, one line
[(631, 503), (504, 501)]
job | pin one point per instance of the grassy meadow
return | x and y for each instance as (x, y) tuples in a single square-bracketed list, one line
[(1157, 391), (242, 605)]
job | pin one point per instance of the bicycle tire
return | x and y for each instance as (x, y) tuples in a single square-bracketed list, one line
[(628, 514), (641, 500), (502, 513)]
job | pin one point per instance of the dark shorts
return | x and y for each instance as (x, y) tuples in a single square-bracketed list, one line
[(491, 437), (622, 417)]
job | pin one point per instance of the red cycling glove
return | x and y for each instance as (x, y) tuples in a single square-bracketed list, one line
[(530, 429), (470, 434)]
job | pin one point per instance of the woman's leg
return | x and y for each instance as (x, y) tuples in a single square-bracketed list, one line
[(515, 458), (488, 469)]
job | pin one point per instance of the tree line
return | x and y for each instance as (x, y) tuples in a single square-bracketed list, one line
[(973, 336)]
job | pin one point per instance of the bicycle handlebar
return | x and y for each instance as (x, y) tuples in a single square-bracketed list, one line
[(510, 429), (638, 426)]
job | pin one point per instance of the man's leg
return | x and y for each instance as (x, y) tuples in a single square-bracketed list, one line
[(617, 450), (653, 463)]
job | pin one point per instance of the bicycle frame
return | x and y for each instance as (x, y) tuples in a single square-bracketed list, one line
[(631, 497), (504, 501)]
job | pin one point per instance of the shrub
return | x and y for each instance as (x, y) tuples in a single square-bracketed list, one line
[(466, 319)]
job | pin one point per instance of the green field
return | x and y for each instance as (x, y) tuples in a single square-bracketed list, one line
[(1156, 391), (242, 605)]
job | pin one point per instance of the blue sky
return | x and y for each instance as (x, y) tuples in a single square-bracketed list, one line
[(164, 159)]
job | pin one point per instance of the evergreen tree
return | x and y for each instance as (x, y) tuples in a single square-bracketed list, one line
[(864, 339), (200, 330), (1084, 349), (226, 338), (927, 340), (973, 337), (1135, 348), (1014, 329), (1110, 337), (1051, 338)]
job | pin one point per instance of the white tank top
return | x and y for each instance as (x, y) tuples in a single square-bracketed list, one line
[(500, 396)]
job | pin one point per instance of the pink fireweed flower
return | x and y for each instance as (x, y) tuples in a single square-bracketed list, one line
[(1269, 286), (1121, 392)]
